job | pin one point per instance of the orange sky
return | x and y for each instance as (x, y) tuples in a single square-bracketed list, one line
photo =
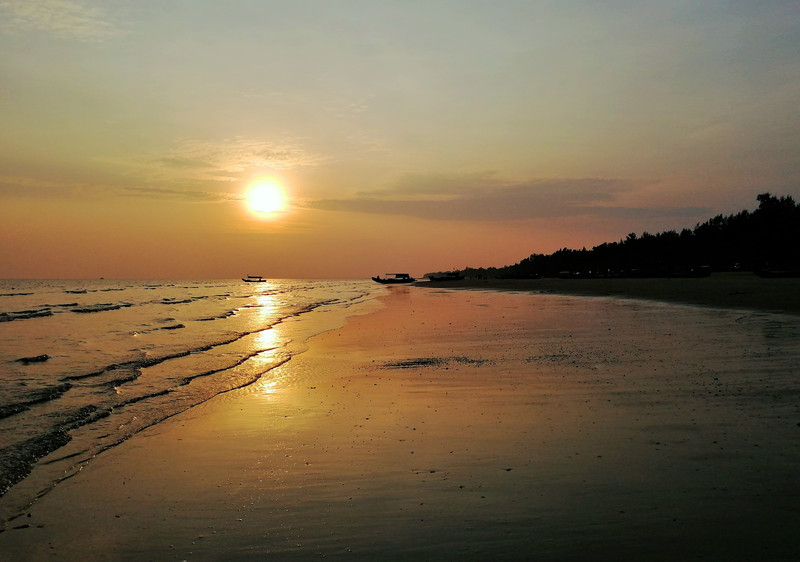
[(408, 136)]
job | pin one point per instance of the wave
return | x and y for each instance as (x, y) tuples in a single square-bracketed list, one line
[(34, 397), (223, 316), (17, 460), (101, 307), (114, 376), (46, 310), (25, 314), (155, 366), (33, 359)]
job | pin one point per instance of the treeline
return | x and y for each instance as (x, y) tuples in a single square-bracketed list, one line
[(765, 239)]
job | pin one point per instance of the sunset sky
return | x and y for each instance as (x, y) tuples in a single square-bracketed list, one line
[(408, 135)]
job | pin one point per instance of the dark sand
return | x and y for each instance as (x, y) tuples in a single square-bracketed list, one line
[(467, 425), (722, 290)]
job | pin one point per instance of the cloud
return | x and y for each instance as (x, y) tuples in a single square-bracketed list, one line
[(69, 19), (193, 162), (229, 159), (485, 197), (37, 187), (652, 212), (440, 184), (19, 184), (191, 170), (181, 194)]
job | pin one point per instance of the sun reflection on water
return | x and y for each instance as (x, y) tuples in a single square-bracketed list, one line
[(269, 342), (267, 388), (265, 300)]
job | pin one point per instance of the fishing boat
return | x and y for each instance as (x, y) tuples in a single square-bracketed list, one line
[(254, 279), (394, 279)]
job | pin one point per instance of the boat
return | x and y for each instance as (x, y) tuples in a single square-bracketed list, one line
[(254, 279), (394, 279)]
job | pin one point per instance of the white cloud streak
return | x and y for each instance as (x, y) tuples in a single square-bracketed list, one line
[(35, 187), (66, 19), (227, 160), (214, 163), (240, 154)]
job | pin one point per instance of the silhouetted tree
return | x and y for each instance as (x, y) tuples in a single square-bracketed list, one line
[(768, 237)]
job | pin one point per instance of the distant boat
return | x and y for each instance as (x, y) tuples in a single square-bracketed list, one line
[(395, 279), (254, 279)]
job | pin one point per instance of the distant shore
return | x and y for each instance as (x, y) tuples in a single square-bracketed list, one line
[(720, 290)]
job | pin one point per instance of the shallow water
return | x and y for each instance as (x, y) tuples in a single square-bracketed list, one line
[(86, 364)]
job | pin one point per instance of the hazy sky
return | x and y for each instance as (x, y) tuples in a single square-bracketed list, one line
[(411, 135)]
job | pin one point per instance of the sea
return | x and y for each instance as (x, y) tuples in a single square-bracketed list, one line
[(84, 365)]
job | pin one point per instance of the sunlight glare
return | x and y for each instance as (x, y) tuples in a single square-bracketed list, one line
[(266, 198)]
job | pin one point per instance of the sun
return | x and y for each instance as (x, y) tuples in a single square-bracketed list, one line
[(266, 198)]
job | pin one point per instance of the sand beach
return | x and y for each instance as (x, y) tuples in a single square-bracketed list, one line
[(467, 425), (743, 290)]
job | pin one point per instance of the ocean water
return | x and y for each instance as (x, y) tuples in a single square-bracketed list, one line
[(86, 364)]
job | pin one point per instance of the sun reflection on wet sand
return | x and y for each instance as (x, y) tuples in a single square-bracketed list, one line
[(268, 340), (267, 387)]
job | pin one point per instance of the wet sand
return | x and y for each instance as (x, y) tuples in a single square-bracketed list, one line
[(723, 290), (467, 425)]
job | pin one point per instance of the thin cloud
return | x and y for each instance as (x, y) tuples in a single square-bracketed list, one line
[(178, 172), (231, 157), (440, 184), (179, 162), (230, 160), (180, 194), (67, 19), (16, 184), (36, 187), (484, 197), (652, 212)]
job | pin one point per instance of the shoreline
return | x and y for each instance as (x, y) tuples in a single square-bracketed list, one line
[(743, 290), (465, 425)]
